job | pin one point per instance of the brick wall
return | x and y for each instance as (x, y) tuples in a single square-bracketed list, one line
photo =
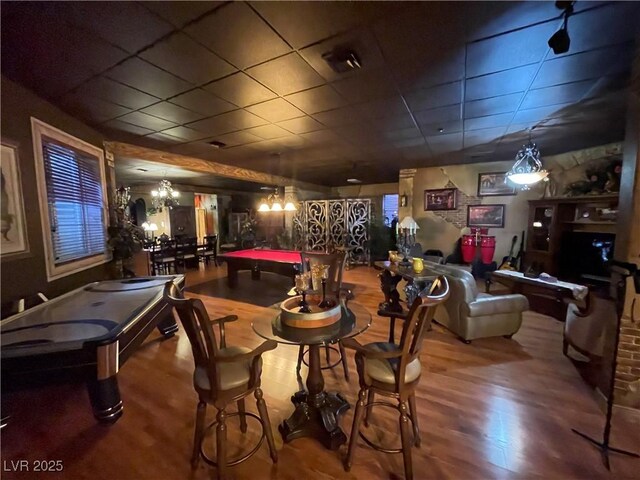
[(458, 217)]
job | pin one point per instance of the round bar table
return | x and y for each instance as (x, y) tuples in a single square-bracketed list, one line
[(316, 411)]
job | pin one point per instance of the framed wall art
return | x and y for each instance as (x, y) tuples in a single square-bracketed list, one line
[(494, 184), (13, 235), (441, 199), (485, 216)]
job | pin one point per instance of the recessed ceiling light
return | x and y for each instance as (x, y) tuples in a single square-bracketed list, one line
[(266, 188), (217, 144), (353, 180), (441, 130), (342, 59)]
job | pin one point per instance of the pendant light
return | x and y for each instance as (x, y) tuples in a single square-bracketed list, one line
[(528, 167)]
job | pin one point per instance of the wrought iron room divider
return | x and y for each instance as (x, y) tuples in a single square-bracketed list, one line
[(323, 225)]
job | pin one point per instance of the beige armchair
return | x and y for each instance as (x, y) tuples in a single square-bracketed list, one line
[(471, 314)]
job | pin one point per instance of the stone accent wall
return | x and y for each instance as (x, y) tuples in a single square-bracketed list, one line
[(458, 217), (627, 384)]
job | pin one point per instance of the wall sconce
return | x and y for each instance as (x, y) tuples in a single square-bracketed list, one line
[(404, 200)]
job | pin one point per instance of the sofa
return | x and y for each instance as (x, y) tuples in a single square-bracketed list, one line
[(471, 314)]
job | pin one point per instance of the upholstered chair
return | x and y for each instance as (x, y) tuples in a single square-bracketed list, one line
[(471, 314), (223, 375), (336, 262), (393, 370)]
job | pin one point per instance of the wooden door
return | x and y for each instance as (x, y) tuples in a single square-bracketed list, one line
[(183, 221)]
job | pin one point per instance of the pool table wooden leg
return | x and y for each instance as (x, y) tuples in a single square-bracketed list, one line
[(167, 326), (103, 391), (232, 275)]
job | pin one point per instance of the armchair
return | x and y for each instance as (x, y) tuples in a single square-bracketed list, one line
[(472, 315)]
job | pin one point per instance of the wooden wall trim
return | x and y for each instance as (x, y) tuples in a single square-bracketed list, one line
[(120, 149)]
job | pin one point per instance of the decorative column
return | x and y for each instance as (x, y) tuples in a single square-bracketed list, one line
[(405, 188)]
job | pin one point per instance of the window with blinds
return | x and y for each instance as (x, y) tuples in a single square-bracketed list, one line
[(389, 208), (74, 198), (71, 187)]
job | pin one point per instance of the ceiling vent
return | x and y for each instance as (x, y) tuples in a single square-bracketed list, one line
[(217, 144), (342, 60)]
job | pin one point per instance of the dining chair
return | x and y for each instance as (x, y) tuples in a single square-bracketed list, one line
[(209, 249), (393, 370), (336, 262), (223, 375), (187, 252), (163, 256)]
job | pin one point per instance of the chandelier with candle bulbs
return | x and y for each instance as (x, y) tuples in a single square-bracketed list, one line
[(273, 203), (164, 196)]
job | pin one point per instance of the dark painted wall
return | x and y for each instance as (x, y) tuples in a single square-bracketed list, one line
[(27, 274)]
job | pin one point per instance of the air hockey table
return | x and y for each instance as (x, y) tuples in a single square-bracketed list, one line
[(87, 334)]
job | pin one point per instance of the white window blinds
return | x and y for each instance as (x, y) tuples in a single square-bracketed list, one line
[(75, 202), (389, 208)]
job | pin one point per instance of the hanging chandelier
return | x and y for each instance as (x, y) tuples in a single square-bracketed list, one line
[(273, 203), (528, 167), (164, 196)]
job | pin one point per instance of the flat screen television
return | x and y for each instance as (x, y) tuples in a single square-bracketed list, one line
[(584, 255)]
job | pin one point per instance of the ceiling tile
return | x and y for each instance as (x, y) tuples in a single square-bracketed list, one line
[(173, 113), (238, 35), (301, 125), (185, 133), (242, 119), (337, 117), (164, 138), (268, 131), (126, 24), (482, 137), (317, 99), (180, 13), (92, 108), (568, 92), (187, 59), (115, 92), (440, 96), (502, 83), (237, 138), (405, 133), (202, 102), (395, 122), (583, 66), (127, 127), (147, 78), (147, 121), (275, 110), (286, 74), (387, 107), (241, 90), (492, 106), (213, 126), (507, 51), (438, 115), (447, 142), (361, 42), (303, 23), (486, 19), (538, 114), (488, 121), (444, 67), (366, 86)]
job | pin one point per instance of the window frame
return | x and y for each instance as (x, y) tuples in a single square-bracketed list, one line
[(38, 130)]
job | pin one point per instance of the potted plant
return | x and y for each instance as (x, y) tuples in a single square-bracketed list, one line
[(125, 239)]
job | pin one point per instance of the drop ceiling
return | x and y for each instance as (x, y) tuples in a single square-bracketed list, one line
[(440, 83)]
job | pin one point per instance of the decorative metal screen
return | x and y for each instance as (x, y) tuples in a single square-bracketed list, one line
[(323, 225)]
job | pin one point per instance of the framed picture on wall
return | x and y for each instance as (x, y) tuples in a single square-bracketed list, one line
[(441, 199), (494, 184), (485, 216), (13, 235)]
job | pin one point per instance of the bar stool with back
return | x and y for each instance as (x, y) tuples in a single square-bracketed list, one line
[(394, 371), (222, 375)]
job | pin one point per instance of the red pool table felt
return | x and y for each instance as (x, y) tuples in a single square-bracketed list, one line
[(284, 256)]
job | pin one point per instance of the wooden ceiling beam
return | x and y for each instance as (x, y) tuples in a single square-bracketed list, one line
[(194, 164)]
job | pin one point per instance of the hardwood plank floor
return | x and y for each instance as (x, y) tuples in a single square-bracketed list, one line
[(494, 409)]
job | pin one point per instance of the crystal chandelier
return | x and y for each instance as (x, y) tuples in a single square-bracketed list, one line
[(273, 203), (165, 196), (528, 167)]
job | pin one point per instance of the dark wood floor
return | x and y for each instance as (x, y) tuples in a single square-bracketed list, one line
[(494, 409)]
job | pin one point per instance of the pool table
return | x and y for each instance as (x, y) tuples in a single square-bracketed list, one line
[(86, 334), (282, 262)]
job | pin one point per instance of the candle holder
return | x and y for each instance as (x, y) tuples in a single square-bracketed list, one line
[(302, 285)]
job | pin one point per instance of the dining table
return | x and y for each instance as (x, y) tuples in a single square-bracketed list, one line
[(316, 412)]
